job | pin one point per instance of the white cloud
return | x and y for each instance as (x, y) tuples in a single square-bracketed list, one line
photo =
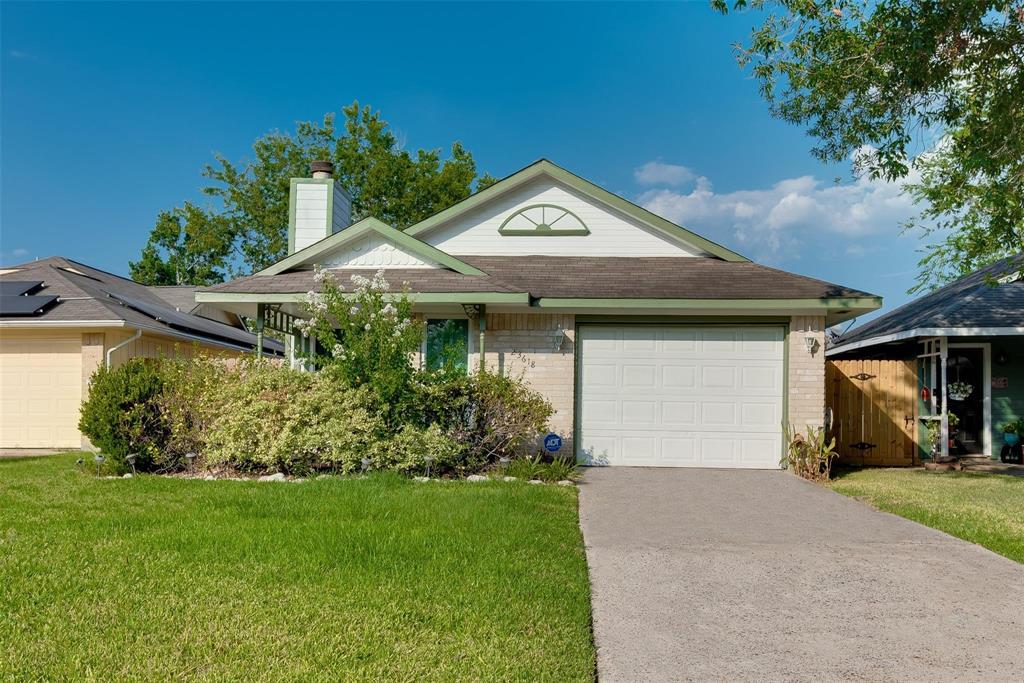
[(792, 216), (20, 252), (657, 173), (20, 54)]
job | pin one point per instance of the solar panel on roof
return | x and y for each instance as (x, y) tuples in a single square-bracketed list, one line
[(18, 287), (24, 305), (185, 321)]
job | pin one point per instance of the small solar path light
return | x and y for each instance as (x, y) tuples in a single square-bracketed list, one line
[(130, 459), (503, 461), (191, 457), (366, 465), (99, 461), (428, 459)]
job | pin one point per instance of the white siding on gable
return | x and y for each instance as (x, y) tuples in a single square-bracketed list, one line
[(311, 224), (611, 233), (374, 251)]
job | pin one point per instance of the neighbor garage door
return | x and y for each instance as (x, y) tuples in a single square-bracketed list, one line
[(681, 396), (40, 392)]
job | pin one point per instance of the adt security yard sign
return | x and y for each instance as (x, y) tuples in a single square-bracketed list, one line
[(552, 443)]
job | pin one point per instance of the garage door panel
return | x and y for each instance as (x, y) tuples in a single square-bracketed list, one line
[(40, 392), (681, 396)]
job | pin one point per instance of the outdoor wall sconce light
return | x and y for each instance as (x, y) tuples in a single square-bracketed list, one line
[(558, 338), (191, 458), (811, 343), (1002, 358)]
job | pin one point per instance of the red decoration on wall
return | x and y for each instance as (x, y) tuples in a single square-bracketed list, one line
[(925, 394)]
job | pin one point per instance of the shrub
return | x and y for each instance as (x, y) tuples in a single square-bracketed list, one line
[(188, 404), (122, 416), (809, 455), (407, 451), (556, 469)]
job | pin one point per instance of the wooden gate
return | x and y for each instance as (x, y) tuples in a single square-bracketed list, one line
[(874, 411)]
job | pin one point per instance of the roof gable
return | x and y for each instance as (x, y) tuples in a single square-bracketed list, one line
[(577, 186), (333, 247)]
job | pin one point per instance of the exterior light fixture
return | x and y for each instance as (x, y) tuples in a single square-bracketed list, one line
[(503, 461), (428, 459), (811, 343), (99, 461), (558, 338), (365, 462), (191, 458), (130, 459)]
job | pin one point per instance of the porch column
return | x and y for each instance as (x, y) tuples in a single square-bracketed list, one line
[(260, 321), (944, 428), (482, 324)]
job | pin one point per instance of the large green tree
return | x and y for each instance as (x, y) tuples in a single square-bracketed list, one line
[(933, 87), (250, 198)]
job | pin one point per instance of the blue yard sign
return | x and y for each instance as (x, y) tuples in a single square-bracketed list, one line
[(552, 443)]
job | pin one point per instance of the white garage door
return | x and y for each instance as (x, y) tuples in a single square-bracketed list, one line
[(40, 393), (681, 396)]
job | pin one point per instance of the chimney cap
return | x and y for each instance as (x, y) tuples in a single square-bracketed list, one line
[(321, 169)]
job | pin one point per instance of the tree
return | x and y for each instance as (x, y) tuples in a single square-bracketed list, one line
[(187, 246), (251, 197), (933, 86)]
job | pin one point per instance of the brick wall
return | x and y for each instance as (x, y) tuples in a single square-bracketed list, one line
[(523, 344), (806, 372)]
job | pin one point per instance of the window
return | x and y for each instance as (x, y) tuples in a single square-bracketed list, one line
[(447, 344)]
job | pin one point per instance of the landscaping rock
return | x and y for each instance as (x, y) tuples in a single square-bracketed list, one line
[(209, 477), (297, 481), (126, 476), (535, 481), (476, 477), (277, 476), (509, 479), (421, 479), (566, 482)]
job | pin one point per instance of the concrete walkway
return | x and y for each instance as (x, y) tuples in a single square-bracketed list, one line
[(758, 575)]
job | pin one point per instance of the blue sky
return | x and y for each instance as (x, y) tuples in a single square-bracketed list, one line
[(110, 111)]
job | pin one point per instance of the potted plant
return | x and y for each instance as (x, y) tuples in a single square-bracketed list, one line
[(1012, 431), (958, 391)]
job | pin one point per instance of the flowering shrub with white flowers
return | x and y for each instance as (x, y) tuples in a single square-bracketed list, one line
[(366, 334)]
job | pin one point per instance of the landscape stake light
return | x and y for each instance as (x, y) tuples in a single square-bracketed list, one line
[(130, 459), (503, 461), (99, 461), (366, 465), (191, 457), (428, 460)]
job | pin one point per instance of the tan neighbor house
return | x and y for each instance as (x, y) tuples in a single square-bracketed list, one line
[(656, 346), (61, 320)]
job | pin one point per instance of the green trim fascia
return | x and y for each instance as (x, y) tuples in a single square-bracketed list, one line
[(291, 205), (544, 230), (822, 304), (585, 187), (416, 297), (359, 229)]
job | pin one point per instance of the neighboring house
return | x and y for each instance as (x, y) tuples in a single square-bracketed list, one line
[(60, 320), (887, 376), (656, 346)]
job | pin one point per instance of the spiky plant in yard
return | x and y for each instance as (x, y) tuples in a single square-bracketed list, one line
[(809, 455)]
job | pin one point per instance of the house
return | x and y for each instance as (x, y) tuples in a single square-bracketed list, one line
[(656, 346), (60, 320), (887, 377)]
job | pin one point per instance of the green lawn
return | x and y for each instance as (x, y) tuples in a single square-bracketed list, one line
[(986, 509), (381, 578)]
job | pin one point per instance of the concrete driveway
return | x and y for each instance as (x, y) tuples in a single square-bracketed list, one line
[(757, 575)]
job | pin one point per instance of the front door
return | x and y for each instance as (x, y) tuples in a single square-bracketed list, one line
[(965, 377)]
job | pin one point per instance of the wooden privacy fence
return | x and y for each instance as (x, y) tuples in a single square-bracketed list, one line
[(874, 411)]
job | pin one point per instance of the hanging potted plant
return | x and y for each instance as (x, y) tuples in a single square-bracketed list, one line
[(1012, 431), (958, 391)]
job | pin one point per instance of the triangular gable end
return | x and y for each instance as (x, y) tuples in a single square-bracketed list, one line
[(369, 240), (496, 194)]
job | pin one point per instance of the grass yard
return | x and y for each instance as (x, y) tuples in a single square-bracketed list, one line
[(381, 578), (986, 509)]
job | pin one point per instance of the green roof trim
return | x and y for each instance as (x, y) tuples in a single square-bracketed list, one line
[(584, 186), (361, 228), (815, 304), (416, 297)]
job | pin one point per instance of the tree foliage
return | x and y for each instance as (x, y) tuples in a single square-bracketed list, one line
[(250, 207), (930, 85)]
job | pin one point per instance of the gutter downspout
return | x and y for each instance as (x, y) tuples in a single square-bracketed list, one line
[(126, 342)]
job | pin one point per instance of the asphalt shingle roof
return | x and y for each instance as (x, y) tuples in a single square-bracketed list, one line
[(975, 301)]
